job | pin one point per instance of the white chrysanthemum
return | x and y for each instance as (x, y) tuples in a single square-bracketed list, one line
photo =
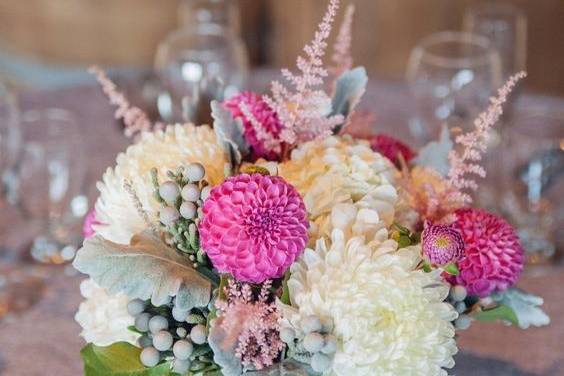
[(340, 170), (165, 150), (104, 318), (389, 318)]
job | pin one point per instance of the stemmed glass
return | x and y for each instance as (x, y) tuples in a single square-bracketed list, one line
[(451, 76)]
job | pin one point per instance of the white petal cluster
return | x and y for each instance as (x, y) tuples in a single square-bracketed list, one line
[(164, 150), (340, 170), (104, 318), (389, 318)]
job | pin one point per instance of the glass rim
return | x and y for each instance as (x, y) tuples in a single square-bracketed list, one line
[(505, 9), (486, 55)]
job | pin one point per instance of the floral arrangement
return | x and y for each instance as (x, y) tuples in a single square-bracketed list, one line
[(276, 243)]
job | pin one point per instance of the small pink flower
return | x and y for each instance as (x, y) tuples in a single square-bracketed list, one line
[(88, 226), (262, 131), (442, 244), (493, 256), (254, 227), (391, 148)]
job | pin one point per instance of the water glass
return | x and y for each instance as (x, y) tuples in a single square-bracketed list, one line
[(506, 27), (533, 179), (451, 77), (50, 176), (196, 65)]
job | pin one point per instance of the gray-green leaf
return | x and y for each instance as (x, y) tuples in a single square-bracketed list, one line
[(145, 269), (229, 133), (435, 153), (526, 307), (349, 88), (223, 347), (118, 359)]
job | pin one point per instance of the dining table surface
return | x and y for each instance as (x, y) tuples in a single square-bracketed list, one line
[(44, 340)]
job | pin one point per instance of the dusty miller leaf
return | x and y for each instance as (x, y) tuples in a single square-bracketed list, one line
[(223, 347), (229, 133), (349, 88), (145, 269), (526, 307), (435, 154)]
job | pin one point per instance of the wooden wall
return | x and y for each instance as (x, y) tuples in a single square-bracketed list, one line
[(127, 31)]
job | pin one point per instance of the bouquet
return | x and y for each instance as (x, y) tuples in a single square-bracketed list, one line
[(276, 243)]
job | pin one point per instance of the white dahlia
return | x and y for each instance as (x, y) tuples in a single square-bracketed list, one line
[(340, 170), (104, 318), (389, 319), (164, 150)]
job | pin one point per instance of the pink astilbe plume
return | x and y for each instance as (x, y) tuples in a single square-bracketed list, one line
[(254, 320), (342, 57), (304, 109), (465, 161), (136, 120)]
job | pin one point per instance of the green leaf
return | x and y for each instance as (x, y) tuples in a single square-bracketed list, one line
[(427, 268), (229, 133), (146, 269), (435, 154), (451, 269), (118, 359), (349, 88), (526, 307), (285, 298), (499, 313), (404, 241)]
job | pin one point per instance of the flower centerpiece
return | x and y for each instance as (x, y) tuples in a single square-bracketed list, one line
[(275, 242)]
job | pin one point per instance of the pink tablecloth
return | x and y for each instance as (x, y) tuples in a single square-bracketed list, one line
[(43, 341)]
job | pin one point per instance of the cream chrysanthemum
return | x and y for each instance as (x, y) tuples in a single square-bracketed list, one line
[(164, 150), (340, 170), (104, 318), (389, 319)]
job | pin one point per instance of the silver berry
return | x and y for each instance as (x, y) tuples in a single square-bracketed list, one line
[(458, 293), (144, 341), (195, 172), (460, 307), (313, 342), (179, 314), (183, 349), (158, 323), (287, 335), (169, 215), (188, 210), (190, 192), (205, 192), (135, 307), (462, 322), (142, 322), (198, 334), (162, 340), (169, 192), (320, 362), (311, 323), (180, 366), (181, 332), (150, 357)]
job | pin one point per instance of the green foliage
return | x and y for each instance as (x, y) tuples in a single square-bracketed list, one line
[(526, 307), (499, 313), (118, 359), (451, 269), (285, 297)]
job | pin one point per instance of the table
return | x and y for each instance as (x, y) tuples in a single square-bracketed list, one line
[(44, 341)]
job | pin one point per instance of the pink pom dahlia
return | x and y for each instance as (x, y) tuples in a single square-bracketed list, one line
[(493, 254), (261, 124), (391, 148), (442, 244), (254, 227)]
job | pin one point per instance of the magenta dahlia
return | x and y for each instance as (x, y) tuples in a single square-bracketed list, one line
[(442, 244), (261, 124), (391, 148), (254, 227), (493, 256)]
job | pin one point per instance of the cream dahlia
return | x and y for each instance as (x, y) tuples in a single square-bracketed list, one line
[(254, 227), (493, 256), (340, 170), (164, 150), (399, 323), (104, 318)]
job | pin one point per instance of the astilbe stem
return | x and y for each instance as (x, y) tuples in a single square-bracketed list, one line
[(136, 120), (342, 57), (474, 144)]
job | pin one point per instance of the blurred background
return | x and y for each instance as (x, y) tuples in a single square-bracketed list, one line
[(431, 64)]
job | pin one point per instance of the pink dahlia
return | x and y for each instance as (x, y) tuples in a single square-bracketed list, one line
[(442, 244), (254, 227), (88, 226), (391, 148), (261, 124), (493, 254)]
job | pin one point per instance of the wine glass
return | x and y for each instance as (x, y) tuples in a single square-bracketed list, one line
[(50, 176), (506, 27), (451, 77), (202, 61)]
